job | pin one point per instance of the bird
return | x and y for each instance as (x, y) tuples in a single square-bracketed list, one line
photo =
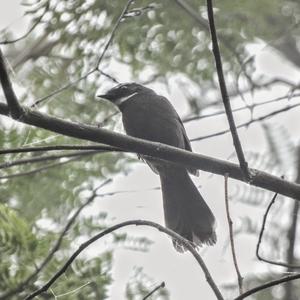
[(152, 117)]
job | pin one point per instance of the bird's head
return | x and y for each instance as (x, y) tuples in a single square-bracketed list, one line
[(122, 92)]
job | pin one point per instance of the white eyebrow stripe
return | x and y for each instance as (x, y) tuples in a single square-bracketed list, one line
[(123, 99)]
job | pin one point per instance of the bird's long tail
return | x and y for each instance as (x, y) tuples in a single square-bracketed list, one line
[(185, 210)]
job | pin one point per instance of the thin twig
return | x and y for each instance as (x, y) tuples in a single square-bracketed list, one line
[(225, 97), (95, 69), (246, 124), (162, 285), (19, 162), (42, 169), (249, 107), (230, 223), (20, 287), (267, 285), (63, 88), (276, 263), (117, 24), (97, 147), (34, 25), (167, 231)]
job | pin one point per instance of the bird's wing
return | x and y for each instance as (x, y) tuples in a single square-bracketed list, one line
[(187, 146)]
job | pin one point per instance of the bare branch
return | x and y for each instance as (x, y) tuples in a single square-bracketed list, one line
[(225, 97), (229, 220), (267, 285), (19, 162), (95, 69), (246, 124), (59, 147), (15, 110), (276, 263), (112, 34), (34, 25), (249, 107), (162, 285), (167, 231), (41, 169)]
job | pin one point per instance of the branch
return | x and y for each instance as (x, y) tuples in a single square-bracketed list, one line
[(282, 264), (19, 162), (167, 231), (239, 276), (143, 147), (35, 24), (162, 285), (95, 69), (249, 107), (267, 285), (246, 124), (225, 97), (15, 110), (59, 147), (109, 41), (37, 170), (56, 246)]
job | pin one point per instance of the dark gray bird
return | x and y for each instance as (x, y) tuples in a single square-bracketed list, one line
[(152, 117)]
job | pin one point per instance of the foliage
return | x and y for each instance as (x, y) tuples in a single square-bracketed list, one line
[(72, 35)]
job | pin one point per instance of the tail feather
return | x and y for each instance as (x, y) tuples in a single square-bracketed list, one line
[(185, 210)]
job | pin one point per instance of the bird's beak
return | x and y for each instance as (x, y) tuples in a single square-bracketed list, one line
[(103, 96), (106, 97)]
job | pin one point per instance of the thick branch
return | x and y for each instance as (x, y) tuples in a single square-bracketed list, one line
[(179, 156)]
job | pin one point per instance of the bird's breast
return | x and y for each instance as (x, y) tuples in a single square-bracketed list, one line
[(152, 120)]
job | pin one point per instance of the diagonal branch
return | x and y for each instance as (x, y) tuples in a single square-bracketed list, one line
[(41, 169), (267, 285), (46, 158), (95, 69), (160, 286), (224, 93), (167, 231), (15, 109)]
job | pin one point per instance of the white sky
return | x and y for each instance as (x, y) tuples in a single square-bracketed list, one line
[(184, 278)]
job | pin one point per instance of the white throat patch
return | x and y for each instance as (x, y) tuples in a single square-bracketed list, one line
[(123, 99)]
